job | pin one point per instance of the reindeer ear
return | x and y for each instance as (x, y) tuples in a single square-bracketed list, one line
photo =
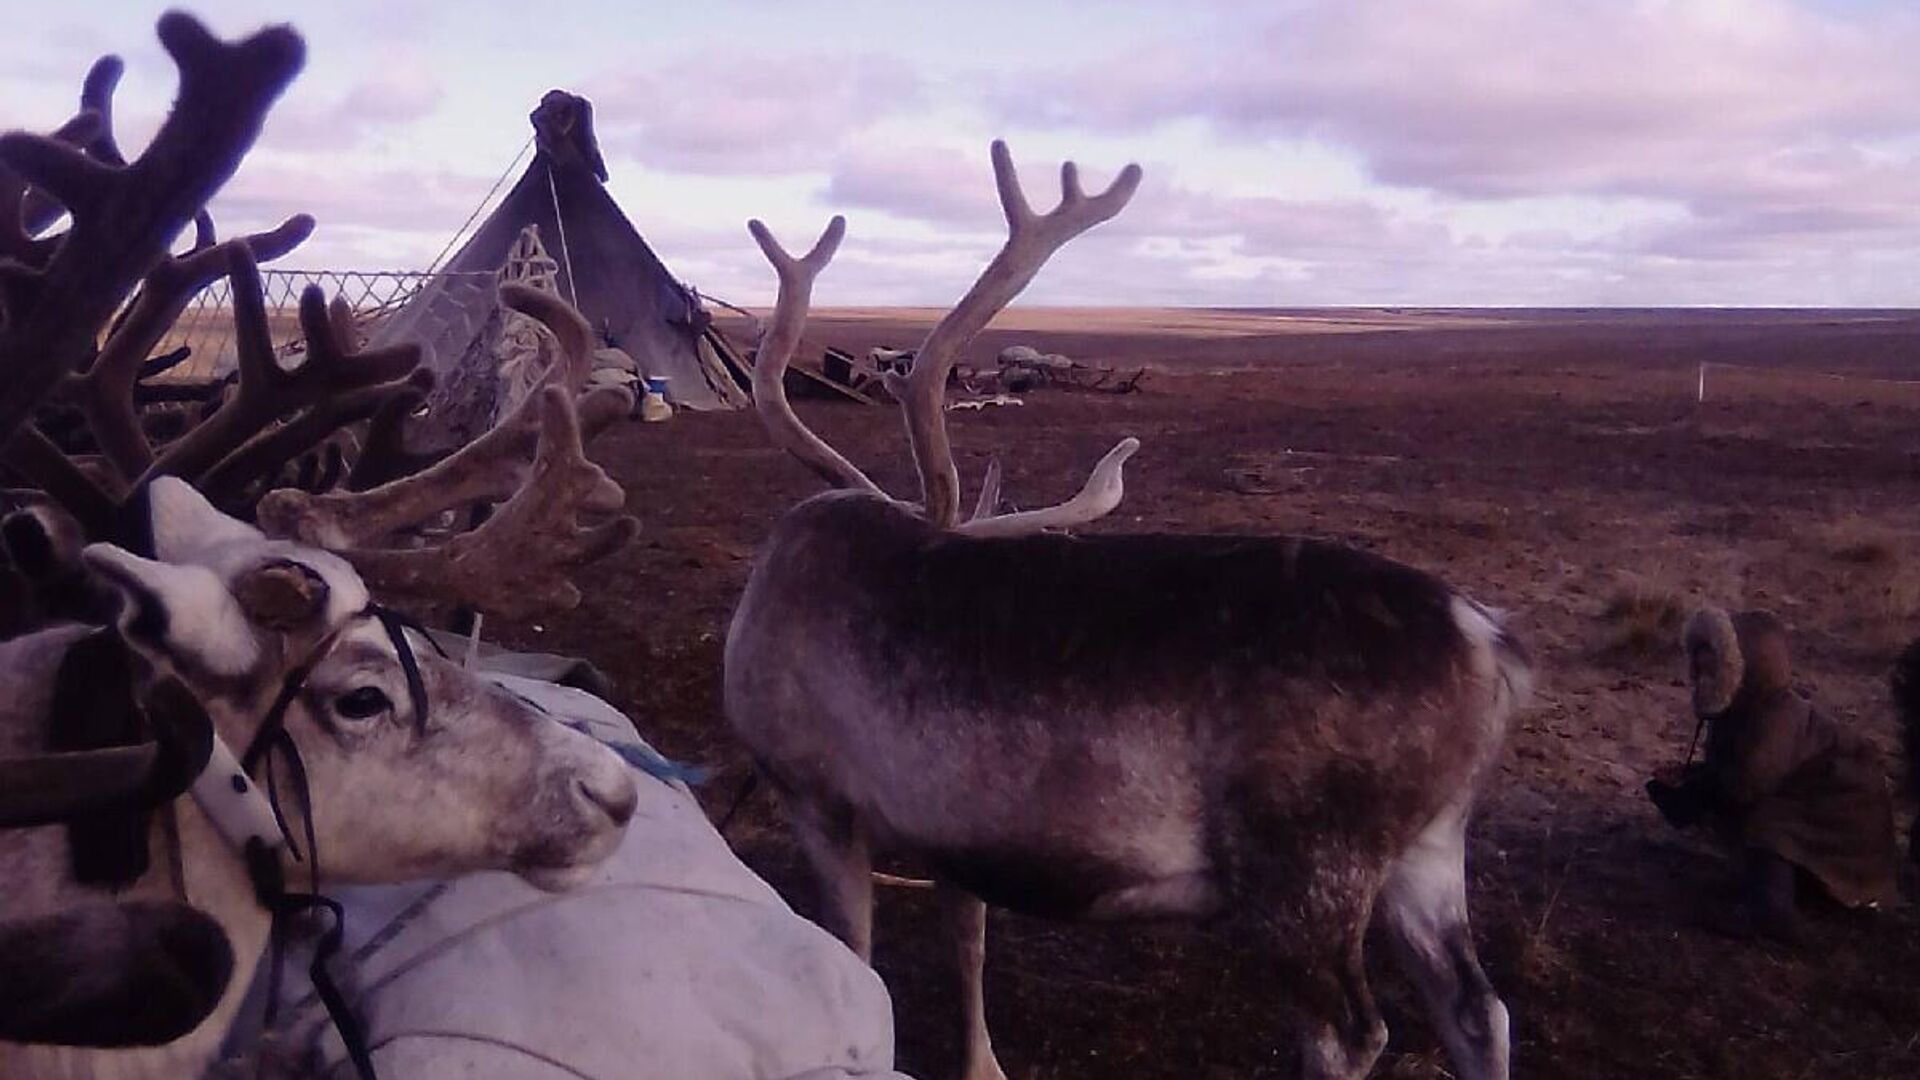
[(43, 541), (282, 595), (177, 613), (184, 522)]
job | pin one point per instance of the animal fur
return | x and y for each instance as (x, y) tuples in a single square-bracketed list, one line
[(482, 780), (1713, 648), (1782, 776), (1276, 730), (1906, 699)]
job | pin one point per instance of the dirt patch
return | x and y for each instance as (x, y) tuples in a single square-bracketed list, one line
[(1550, 468)]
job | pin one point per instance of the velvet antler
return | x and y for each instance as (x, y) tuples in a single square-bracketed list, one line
[(124, 217)]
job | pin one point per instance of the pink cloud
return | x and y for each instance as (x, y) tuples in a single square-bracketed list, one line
[(1496, 98), (400, 90), (1776, 127), (423, 203), (771, 115), (934, 184), (947, 187)]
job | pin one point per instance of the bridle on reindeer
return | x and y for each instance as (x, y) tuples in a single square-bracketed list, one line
[(257, 826), (188, 757)]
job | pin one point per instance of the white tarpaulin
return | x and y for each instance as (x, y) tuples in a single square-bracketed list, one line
[(676, 962)]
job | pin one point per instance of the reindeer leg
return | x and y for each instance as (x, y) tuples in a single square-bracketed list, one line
[(842, 861), (1424, 908), (1310, 896), (1341, 1033), (1313, 912), (966, 919)]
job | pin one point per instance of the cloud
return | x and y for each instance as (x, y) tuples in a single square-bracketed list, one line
[(1298, 228), (1768, 241), (775, 114), (1173, 244), (1371, 151), (58, 55), (1514, 97), (1757, 116), (952, 189), (414, 210), (925, 183), (1770, 126), (400, 90)]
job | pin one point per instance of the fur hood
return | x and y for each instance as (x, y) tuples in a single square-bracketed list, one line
[(1746, 651)]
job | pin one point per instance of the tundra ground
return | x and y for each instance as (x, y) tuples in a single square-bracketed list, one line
[(1553, 464)]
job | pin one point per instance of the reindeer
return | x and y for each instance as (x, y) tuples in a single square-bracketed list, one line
[(152, 971), (1284, 732), (395, 763), (428, 772), (110, 972)]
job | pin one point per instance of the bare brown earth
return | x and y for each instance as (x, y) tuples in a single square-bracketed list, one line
[(1555, 464)]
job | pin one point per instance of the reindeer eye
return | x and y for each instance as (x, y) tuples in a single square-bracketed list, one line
[(362, 703)]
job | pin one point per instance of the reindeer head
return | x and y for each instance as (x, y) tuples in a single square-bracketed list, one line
[(409, 777)]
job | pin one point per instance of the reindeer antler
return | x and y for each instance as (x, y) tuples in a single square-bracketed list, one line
[(268, 391), (514, 564), (533, 538), (266, 453), (1031, 240), (56, 293), (124, 217), (1097, 498), (488, 469), (107, 386), (38, 459), (988, 504), (91, 129), (776, 350)]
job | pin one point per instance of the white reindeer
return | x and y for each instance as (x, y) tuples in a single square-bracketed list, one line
[(1280, 731), (409, 777)]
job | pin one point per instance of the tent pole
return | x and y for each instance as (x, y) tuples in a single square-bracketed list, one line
[(560, 224)]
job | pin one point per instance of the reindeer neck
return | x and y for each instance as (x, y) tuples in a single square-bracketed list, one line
[(210, 873), (215, 879)]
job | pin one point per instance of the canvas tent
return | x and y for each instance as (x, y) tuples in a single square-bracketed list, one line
[(603, 266)]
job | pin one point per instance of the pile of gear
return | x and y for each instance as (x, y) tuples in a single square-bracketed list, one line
[(1018, 369)]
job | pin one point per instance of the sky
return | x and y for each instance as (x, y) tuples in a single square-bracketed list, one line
[(1349, 152)]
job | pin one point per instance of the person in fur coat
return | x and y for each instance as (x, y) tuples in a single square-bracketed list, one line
[(1799, 797)]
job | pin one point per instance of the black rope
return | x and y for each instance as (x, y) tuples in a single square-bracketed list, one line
[(396, 626), (263, 863), (276, 719), (270, 887), (391, 618)]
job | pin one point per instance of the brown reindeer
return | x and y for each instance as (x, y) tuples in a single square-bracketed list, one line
[(1280, 731)]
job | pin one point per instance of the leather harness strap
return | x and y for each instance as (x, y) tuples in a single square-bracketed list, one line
[(262, 856)]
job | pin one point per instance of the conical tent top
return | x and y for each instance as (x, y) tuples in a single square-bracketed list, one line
[(563, 133)]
